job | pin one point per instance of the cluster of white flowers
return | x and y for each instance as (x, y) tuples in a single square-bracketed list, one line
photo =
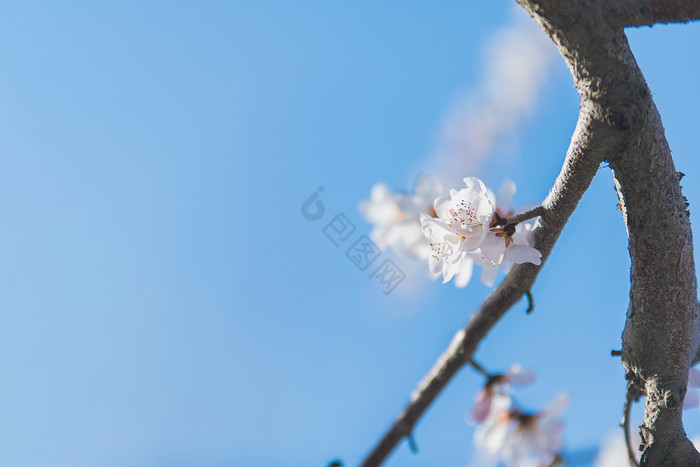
[(463, 228), (517, 439), (396, 216), (466, 231), (508, 435)]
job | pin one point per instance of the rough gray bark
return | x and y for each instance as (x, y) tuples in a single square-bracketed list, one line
[(623, 13), (619, 123), (661, 336)]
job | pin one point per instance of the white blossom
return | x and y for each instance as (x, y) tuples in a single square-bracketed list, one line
[(462, 229), (465, 216), (505, 246), (519, 439), (468, 211), (396, 216), (502, 249), (500, 385), (445, 245)]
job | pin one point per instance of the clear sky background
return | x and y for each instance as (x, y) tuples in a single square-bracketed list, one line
[(163, 303)]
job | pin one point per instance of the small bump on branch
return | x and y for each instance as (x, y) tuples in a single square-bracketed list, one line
[(412, 443), (530, 302)]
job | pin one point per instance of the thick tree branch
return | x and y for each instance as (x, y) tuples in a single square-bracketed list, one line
[(623, 13), (661, 332)]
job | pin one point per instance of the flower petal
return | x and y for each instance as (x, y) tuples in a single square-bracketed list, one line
[(491, 437), (486, 210), (492, 434), (434, 229), (482, 407), (506, 266), (449, 270), (470, 207), (474, 183), (491, 196), (557, 406), (519, 254), (493, 248), (519, 375), (442, 208), (381, 208), (380, 192), (476, 237), (524, 234), (465, 271), (435, 265), (489, 274)]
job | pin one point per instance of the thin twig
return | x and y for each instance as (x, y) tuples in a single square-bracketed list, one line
[(480, 369), (530, 302), (558, 460), (625, 424), (537, 211), (412, 444)]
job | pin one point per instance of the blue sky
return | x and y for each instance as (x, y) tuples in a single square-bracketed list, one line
[(165, 304)]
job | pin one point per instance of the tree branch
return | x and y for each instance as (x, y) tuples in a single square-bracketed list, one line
[(625, 424), (480, 369), (636, 13), (618, 122), (582, 161), (527, 215), (661, 333)]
